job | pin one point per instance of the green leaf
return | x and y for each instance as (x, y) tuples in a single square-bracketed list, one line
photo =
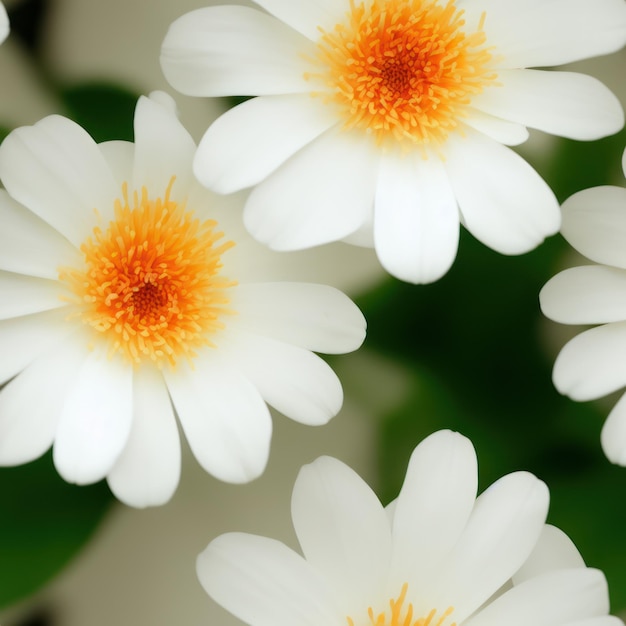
[(44, 522)]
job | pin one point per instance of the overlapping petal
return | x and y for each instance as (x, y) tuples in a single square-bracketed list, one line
[(225, 50)]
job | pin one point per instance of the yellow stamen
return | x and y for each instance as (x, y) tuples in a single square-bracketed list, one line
[(399, 615), (403, 70), (151, 284)]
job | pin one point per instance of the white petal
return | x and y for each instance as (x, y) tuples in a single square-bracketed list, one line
[(163, 148), (315, 317), (536, 33), (624, 162), (504, 202), (4, 23), (613, 435), (294, 381), (225, 420), (72, 176), (23, 295), (120, 156), (263, 582), (594, 222), (593, 363), (234, 50), (562, 103), (550, 599), (31, 404), (554, 551), (308, 16), (501, 532), (30, 246), (23, 339), (343, 531), (321, 194), (416, 219), (95, 421), (592, 294), (434, 505), (502, 131), (148, 470), (246, 144)]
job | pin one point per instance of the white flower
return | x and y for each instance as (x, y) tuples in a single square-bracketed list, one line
[(593, 364), (382, 122), (4, 23), (123, 285), (437, 556)]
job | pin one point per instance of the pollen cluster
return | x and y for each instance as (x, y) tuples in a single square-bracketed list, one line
[(400, 614), (151, 283), (403, 70)]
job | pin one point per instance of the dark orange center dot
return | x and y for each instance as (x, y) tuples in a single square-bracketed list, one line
[(151, 284)]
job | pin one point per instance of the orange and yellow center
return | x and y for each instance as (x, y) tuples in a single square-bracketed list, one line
[(400, 613), (403, 70), (151, 283)]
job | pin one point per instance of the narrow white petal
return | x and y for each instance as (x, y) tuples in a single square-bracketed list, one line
[(593, 363), (234, 50), (594, 222), (536, 33), (321, 194), (263, 582), (163, 148), (225, 420), (23, 339), (624, 162), (434, 505), (148, 470), (119, 156), (554, 551), (72, 176), (95, 421), (308, 16), (562, 103), (23, 295), (343, 531), (502, 530), (501, 130), (4, 23), (613, 435), (592, 294), (416, 219), (550, 599), (293, 380), (315, 317), (246, 144), (31, 404), (504, 202), (30, 246)]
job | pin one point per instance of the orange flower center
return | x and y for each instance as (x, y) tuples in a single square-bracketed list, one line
[(401, 614), (403, 70), (151, 284)]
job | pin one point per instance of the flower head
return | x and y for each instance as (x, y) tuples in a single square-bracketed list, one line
[(593, 364), (381, 122), (438, 555), (124, 284)]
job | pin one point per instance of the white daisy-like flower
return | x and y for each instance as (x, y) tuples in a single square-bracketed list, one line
[(381, 122), (124, 285), (4, 23), (593, 364), (438, 556)]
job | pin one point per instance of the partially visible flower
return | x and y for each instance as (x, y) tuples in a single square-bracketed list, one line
[(593, 364), (124, 284), (4, 23), (437, 556), (381, 122)]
